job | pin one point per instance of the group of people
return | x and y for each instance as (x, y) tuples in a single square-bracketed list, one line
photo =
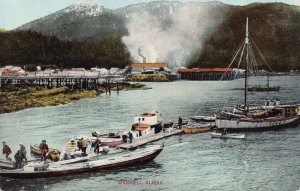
[(127, 138), (20, 155)]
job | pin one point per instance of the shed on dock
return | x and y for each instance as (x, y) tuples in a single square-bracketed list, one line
[(207, 73)]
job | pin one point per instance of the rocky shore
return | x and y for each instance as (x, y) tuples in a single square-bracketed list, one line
[(18, 98)]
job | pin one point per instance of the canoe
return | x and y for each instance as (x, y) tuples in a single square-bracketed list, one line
[(228, 136), (122, 160), (35, 149)]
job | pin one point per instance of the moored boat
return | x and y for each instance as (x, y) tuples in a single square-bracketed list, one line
[(35, 149), (198, 127), (7, 164), (268, 117), (228, 135), (204, 118), (128, 159)]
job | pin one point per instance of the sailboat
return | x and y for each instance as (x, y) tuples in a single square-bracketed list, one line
[(247, 117), (266, 88)]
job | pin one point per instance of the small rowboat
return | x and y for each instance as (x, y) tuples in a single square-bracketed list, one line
[(35, 149), (7, 164), (122, 160), (111, 142), (198, 127), (109, 135), (228, 136)]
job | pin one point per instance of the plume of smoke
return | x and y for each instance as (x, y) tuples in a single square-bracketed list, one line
[(171, 37)]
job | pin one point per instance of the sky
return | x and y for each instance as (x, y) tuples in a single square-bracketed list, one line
[(14, 13)]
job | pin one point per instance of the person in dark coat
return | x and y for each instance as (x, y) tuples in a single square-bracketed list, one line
[(130, 136), (20, 156), (44, 150), (97, 144), (6, 151), (124, 138), (179, 122)]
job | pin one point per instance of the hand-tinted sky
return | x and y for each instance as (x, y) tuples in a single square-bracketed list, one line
[(14, 13)]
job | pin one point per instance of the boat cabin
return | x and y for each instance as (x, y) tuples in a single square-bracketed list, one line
[(272, 103), (141, 130), (148, 118)]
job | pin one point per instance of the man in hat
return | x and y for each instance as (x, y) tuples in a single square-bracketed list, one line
[(20, 156), (6, 150)]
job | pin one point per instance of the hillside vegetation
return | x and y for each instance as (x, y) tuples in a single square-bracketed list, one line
[(274, 27), (32, 49)]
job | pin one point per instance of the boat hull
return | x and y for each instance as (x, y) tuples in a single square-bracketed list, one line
[(112, 143), (191, 130), (257, 124), (20, 174)]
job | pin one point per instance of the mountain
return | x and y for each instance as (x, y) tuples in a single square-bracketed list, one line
[(196, 34), (274, 27), (79, 21)]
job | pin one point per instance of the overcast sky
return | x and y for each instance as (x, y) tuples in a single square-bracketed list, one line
[(14, 13)]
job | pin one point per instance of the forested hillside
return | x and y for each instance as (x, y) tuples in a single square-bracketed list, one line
[(274, 27), (32, 49)]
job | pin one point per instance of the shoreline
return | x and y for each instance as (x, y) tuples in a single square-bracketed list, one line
[(19, 98)]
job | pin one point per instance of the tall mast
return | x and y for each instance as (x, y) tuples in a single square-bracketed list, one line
[(246, 65)]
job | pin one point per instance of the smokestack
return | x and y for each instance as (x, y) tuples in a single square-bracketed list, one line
[(141, 55)]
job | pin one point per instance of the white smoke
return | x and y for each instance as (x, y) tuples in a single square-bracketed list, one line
[(174, 36)]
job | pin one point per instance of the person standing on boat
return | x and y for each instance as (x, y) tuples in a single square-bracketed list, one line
[(44, 150), (224, 132), (179, 122), (97, 146), (130, 136), (6, 150), (20, 156), (84, 145)]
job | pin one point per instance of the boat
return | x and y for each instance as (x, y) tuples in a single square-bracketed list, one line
[(7, 164), (154, 119), (111, 142), (199, 127), (108, 135), (123, 160), (266, 88), (247, 117), (35, 149), (204, 118), (227, 135)]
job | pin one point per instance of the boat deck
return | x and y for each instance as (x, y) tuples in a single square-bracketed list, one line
[(149, 139)]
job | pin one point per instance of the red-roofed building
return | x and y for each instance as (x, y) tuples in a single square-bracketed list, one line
[(148, 67), (207, 73)]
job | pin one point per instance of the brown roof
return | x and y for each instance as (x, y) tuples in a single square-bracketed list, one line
[(204, 70), (149, 65)]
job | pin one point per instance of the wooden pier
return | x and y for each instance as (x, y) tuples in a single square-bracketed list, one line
[(73, 82), (151, 138)]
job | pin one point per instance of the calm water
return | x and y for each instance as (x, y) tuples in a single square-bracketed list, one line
[(263, 161)]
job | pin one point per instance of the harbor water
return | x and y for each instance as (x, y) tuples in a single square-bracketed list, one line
[(267, 160)]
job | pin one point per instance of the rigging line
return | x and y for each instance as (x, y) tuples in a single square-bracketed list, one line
[(236, 53), (239, 63), (253, 59), (228, 66), (261, 55)]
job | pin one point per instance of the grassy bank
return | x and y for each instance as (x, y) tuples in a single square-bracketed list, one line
[(19, 98), (147, 78)]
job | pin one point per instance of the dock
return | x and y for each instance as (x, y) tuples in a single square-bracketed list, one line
[(151, 138)]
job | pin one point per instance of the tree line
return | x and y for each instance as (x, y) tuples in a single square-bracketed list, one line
[(31, 49)]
